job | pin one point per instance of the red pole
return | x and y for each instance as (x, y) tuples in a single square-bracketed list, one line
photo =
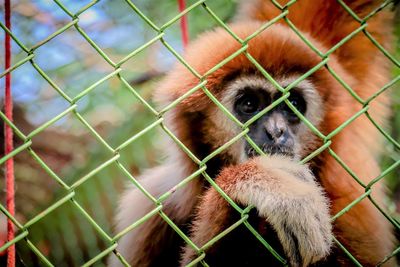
[(184, 24), (8, 138)]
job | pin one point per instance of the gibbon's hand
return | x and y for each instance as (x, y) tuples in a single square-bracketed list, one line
[(285, 193)]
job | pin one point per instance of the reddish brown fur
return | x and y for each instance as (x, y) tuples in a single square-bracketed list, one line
[(217, 213), (363, 230)]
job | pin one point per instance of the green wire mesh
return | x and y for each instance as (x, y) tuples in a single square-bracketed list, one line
[(71, 190)]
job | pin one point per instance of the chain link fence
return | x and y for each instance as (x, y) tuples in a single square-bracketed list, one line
[(71, 190)]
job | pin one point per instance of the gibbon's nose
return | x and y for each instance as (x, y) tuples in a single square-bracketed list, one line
[(276, 129)]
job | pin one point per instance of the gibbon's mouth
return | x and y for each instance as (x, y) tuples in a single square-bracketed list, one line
[(271, 150)]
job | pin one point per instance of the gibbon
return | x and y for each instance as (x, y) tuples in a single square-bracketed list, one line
[(293, 203)]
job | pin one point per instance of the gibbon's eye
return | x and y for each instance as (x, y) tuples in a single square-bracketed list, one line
[(298, 101), (248, 104)]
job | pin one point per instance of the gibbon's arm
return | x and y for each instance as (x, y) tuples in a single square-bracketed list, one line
[(284, 193), (150, 242)]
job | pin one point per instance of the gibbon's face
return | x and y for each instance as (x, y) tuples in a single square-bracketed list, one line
[(279, 131), (244, 91)]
